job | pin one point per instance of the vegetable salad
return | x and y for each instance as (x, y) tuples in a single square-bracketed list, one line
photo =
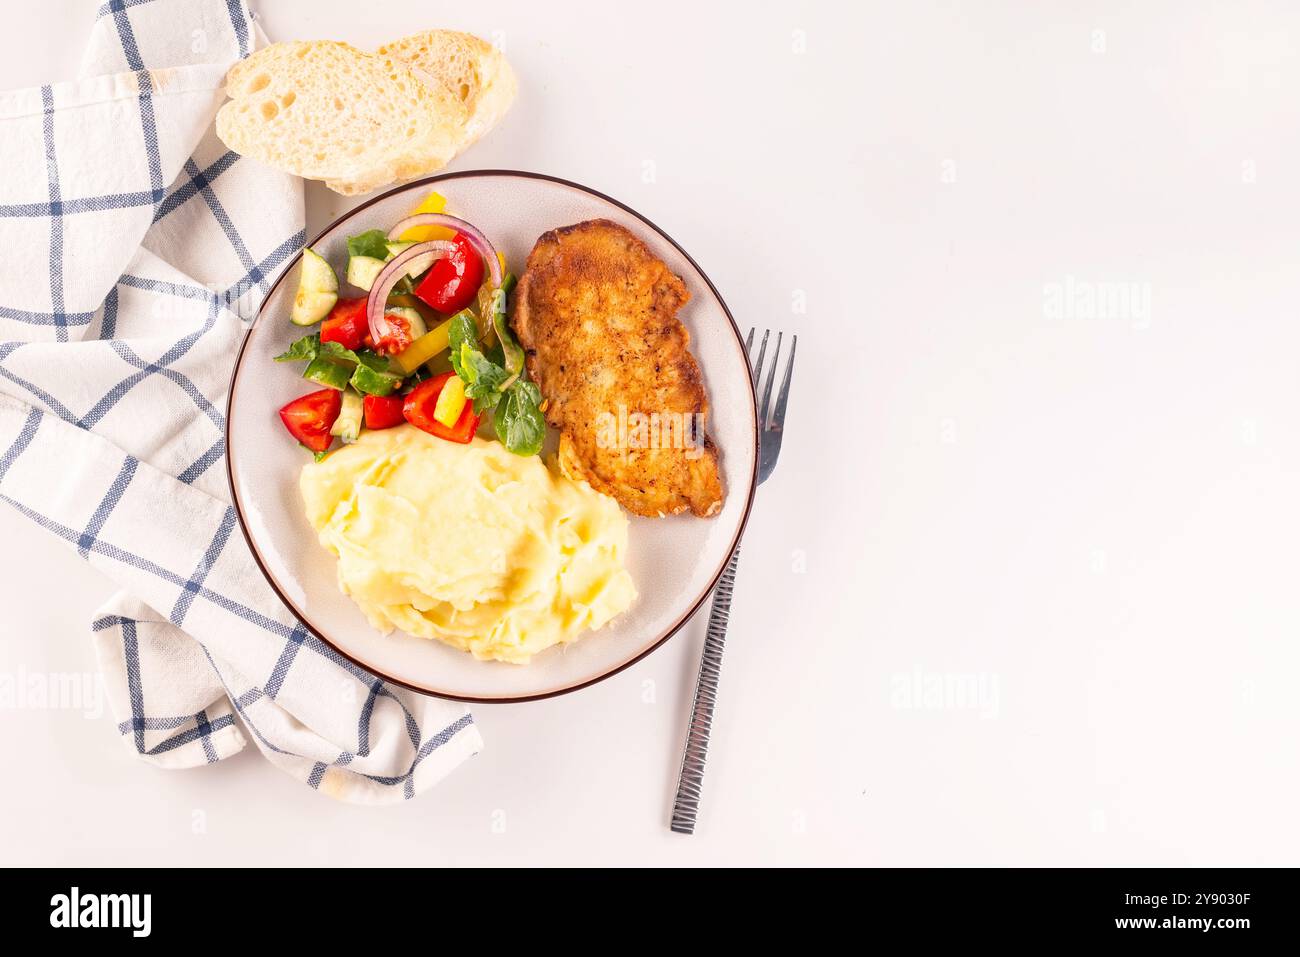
[(428, 344)]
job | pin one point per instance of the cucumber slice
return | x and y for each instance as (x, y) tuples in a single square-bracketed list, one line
[(418, 266), (310, 308), (372, 381), (318, 290), (330, 374), (348, 425), (363, 270), (418, 328)]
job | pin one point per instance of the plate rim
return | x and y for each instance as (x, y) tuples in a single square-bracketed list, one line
[(378, 672)]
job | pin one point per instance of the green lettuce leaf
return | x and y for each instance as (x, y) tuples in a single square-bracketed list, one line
[(519, 422), (304, 350), (372, 243)]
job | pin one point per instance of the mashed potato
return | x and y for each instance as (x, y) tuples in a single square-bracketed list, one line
[(470, 544)]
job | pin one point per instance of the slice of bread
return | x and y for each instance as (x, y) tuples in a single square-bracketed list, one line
[(328, 111), (470, 69)]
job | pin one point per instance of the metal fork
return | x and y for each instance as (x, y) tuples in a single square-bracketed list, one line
[(770, 429)]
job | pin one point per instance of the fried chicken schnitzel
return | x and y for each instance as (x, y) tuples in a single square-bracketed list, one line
[(596, 313)]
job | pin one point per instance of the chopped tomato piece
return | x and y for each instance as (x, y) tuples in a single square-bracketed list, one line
[(453, 281), (423, 399), (309, 418), (384, 411), (398, 339), (346, 324)]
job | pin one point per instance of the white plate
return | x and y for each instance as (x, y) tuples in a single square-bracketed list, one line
[(674, 561)]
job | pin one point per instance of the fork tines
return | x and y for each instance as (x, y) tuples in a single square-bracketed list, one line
[(771, 418)]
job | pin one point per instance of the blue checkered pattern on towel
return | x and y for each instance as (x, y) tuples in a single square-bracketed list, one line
[(137, 247)]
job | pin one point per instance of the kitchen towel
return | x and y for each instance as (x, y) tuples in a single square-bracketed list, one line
[(137, 248)]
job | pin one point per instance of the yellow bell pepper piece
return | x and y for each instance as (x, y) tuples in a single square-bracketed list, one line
[(451, 402), (433, 203), (423, 349)]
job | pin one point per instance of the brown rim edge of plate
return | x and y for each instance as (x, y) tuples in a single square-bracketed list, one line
[(472, 699)]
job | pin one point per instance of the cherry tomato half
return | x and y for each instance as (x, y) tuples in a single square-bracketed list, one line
[(310, 417), (346, 324), (384, 411), (423, 399), (453, 281), (399, 336)]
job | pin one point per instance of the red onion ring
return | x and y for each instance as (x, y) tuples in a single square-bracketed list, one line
[(393, 270), (472, 233)]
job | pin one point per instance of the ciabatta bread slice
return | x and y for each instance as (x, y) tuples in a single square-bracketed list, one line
[(470, 69), (328, 111)]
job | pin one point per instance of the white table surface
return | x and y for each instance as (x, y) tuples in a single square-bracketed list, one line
[(1091, 521)]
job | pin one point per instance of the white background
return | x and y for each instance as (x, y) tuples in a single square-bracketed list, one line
[(1094, 519)]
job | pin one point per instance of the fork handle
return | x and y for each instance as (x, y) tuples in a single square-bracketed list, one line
[(687, 803)]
